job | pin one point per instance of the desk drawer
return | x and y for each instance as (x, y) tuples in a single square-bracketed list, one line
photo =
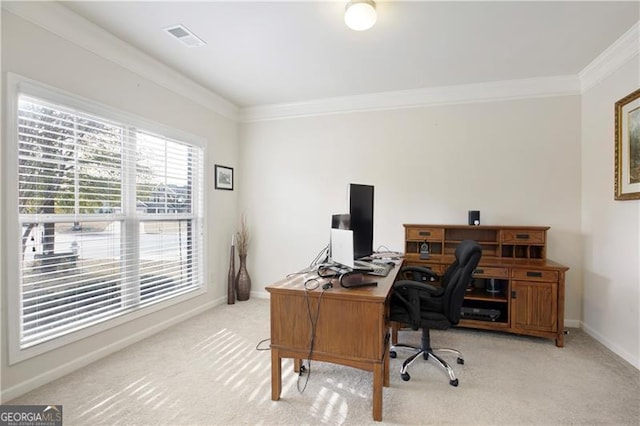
[(522, 236), (490, 272), (422, 234), (534, 275)]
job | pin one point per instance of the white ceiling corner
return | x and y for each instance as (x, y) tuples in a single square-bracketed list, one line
[(626, 48), (78, 30)]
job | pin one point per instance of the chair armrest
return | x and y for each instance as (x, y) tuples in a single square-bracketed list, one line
[(421, 287), (417, 271), (410, 297)]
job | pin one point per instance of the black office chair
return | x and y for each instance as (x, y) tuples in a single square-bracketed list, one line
[(417, 303)]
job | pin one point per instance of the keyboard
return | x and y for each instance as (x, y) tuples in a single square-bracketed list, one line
[(362, 266), (380, 269)]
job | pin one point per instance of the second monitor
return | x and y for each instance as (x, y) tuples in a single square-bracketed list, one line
[(361, 219)]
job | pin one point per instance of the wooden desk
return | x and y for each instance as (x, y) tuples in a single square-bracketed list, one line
[(351, 329)]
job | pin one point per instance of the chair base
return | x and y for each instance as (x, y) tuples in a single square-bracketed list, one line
[(426, 354)]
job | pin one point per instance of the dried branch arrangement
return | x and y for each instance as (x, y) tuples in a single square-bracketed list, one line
[(243, 237)]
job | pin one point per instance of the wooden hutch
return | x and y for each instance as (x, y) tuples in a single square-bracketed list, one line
[(515, 289)]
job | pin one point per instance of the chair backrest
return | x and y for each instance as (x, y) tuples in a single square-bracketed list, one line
[(458, 276), (446, 277)]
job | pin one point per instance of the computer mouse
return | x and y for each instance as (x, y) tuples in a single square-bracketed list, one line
[(392, 264)]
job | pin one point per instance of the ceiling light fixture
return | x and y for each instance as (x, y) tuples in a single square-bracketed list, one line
[(360, 15)]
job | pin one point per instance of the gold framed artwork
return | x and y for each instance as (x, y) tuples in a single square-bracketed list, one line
[(627, 166)]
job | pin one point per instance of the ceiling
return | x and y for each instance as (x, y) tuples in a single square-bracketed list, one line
[(265, 53)]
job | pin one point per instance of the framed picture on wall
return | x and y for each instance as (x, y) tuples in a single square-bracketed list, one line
[(627, 166), (223, 177)]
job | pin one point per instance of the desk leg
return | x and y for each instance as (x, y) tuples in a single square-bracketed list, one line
[(385, 360), (378, 379), (394, 332), (276, 375), (297, 364), (386, 368)]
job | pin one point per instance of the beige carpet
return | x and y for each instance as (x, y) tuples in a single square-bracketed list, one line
[(207, 371)]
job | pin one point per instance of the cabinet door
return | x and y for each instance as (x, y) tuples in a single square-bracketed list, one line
[(534, 306)]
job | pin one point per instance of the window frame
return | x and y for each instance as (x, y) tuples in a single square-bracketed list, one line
[(17, 85)]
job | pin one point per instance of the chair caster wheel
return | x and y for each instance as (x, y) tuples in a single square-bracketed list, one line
[(460, 361), (405, 376), (393, 354), (453, 382)]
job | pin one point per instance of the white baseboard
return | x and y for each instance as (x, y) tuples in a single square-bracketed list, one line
[(572, 323), (260, 294), (631, 359), (77, 363)]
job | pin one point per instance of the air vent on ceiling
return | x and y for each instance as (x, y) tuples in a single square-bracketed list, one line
[(181, 33)]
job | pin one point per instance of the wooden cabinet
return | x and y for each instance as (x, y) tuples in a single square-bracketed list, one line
[(515, 288), (534, 307)]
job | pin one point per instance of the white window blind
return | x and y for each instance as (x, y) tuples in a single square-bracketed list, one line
[(110, 216), (165, 176)]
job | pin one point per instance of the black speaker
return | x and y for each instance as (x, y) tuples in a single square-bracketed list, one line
[(474, 217)]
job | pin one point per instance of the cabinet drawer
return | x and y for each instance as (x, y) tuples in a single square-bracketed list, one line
[(490, 272), (522, 236), (534, 275), (424, 234)]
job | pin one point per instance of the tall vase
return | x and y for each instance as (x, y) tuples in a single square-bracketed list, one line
[(231, 277), (243, 280)]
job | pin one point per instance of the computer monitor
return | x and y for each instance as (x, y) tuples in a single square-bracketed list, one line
[(361, 214)]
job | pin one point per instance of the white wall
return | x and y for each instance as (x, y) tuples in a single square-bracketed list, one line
[(611, 229), (35, 53), (518, 162)]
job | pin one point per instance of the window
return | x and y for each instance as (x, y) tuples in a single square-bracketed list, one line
[(110, 218)]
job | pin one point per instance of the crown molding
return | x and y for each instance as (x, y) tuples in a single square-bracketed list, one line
[(612, 58), (63, 22), (74, 28), (445, 95)]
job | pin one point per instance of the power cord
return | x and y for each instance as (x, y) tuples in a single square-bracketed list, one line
[(258, 348), (383, 252), (385, 249), (318, 265), (319, 259), (310, 285), (328, 273), (315, 264)]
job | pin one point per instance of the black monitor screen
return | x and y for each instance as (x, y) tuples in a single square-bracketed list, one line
[(361, 212)]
